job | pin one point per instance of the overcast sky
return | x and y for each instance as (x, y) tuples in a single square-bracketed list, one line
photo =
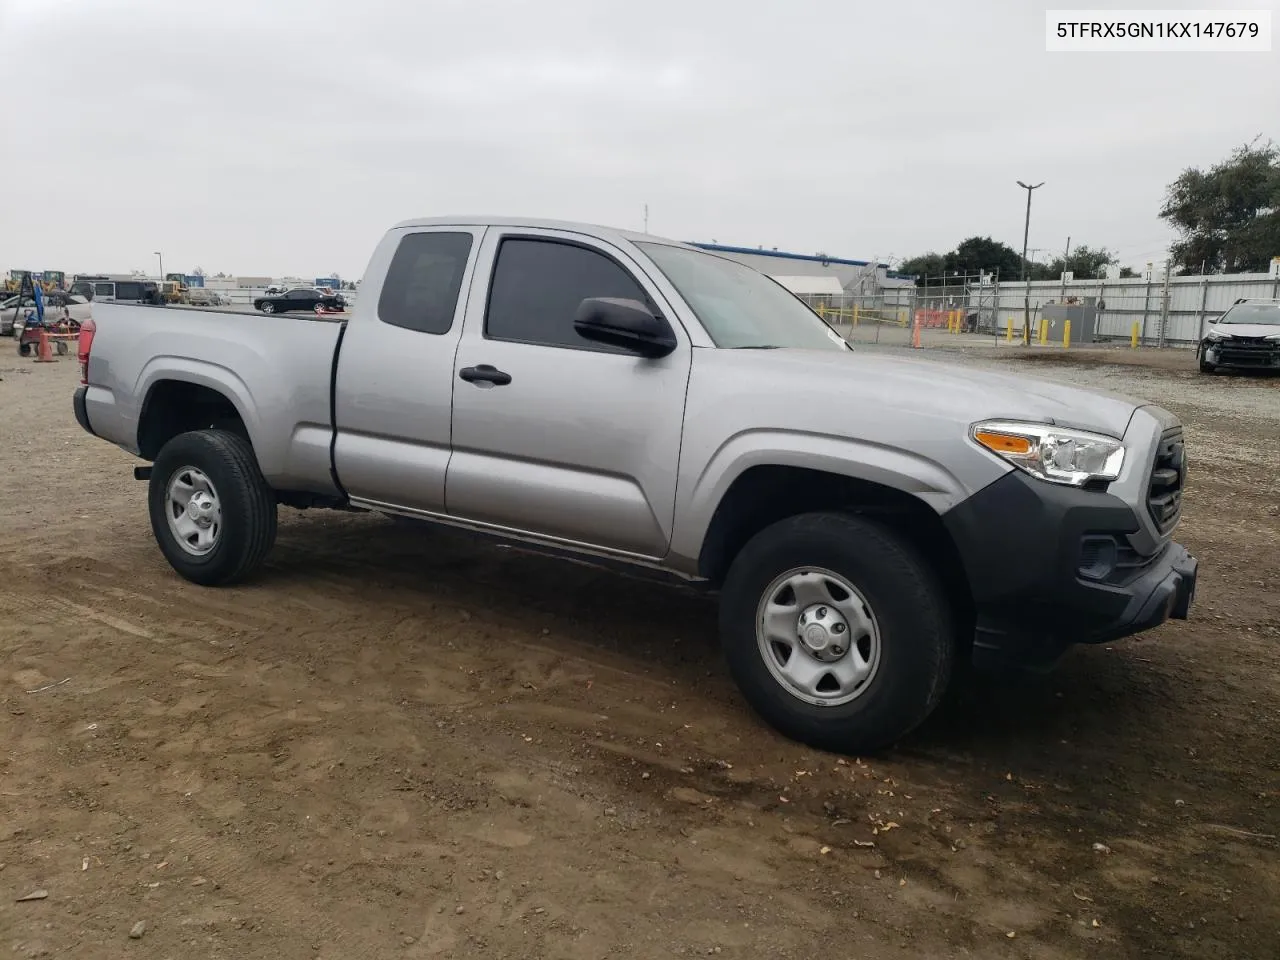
[(273, 137)]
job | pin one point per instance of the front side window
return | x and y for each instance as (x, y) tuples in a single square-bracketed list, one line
[(738, 306), (423, 282), (538, 286)]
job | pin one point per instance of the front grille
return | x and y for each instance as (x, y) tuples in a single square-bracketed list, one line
[(1249, 352), (1168, 474)]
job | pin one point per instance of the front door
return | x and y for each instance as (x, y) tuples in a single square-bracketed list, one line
[(554, 435)]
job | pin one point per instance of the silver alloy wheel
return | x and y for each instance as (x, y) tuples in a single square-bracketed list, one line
[(194, 512), (268, 308), (818, 636)]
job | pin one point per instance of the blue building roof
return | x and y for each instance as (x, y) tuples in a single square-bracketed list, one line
[(720, 248)]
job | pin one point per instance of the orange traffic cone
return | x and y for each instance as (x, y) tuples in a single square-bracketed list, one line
[(43, 353)]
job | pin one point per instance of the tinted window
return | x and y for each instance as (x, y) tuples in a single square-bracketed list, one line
[(421, 289), (302, 293), (538, 286), (104, 289), (128, 291)]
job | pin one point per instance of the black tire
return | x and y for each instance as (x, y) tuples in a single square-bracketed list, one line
[(911, 610), (62, 348), (25, 348), (1206, 367), (268, 308), (248, 506)]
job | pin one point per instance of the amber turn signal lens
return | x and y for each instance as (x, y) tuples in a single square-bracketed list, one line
[(1003, 442)]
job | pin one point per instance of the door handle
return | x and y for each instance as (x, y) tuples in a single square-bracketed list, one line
[(485, 374)]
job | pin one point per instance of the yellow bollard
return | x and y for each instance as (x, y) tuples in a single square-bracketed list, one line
[(822, 310), (855, 314), (1044, 331), (1008, 331), (1133, 336), (1066, 333)]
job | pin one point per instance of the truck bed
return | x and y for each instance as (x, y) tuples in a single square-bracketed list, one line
[(277, 370)]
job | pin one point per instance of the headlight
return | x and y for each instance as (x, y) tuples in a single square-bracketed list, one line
[(1213, 336), (1058, 455)]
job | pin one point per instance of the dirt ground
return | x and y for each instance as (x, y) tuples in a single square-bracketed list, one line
[(403, 744)]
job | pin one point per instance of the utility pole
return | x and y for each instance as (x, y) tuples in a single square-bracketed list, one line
[(646, 218), (1065, 257), (161, 256), (1164, 302), (1026, 283)]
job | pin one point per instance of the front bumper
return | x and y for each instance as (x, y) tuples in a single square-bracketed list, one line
[(1051, 566), (1253, 354)]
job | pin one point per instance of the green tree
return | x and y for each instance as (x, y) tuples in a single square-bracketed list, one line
[(984, 254), (1085, 263), (1228, 218), (925, 265)]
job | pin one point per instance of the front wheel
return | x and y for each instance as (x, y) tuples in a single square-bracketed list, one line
[(837, 632), (268, 308), (212, 512)]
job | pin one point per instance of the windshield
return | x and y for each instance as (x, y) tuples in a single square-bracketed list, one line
[(739, 307), (1264, 314)]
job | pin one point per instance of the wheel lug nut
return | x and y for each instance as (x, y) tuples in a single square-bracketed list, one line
[(822, 612), (837, 650), (838, 628)]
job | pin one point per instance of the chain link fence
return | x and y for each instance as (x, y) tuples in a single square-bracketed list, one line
[(1142, 312)]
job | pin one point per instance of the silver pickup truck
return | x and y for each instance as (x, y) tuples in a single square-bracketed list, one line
[(865, 519)]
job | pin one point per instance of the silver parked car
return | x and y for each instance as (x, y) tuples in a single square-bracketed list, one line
[(1246, 337)]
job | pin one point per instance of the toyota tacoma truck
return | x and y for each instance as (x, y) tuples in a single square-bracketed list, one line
[(865, 520)]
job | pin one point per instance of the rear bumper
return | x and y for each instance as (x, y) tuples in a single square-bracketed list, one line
[(81, 409), (1052, 566)]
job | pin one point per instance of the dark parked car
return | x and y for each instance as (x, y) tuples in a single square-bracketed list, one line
[(300, 298)]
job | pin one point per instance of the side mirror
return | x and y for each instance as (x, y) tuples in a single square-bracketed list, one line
[(628, 324), (1213, 319)]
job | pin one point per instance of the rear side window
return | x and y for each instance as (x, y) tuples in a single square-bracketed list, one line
[(104, 289), (538, 286), (128, 290), (423, 281)]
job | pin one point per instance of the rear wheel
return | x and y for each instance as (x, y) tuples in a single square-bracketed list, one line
[(212, 513), (837, 632)]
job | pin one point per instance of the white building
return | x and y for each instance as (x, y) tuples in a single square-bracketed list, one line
[(813, 274)]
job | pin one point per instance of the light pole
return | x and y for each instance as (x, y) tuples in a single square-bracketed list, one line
[(1026, 283), (161, 256)]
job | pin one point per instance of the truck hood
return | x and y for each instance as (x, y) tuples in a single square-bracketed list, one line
[(933, 388), (1245, 330)]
